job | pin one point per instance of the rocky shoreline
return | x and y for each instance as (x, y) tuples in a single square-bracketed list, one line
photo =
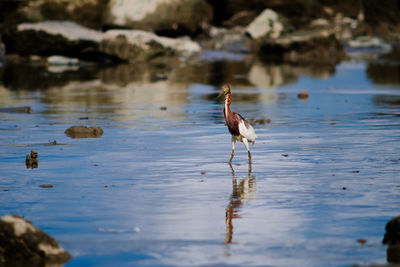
[(104, 31)]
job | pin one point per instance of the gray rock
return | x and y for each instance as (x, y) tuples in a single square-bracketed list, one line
[(307, 46), (54, 38), (22, 244), (142, 46), (173, 16), (267, 24)]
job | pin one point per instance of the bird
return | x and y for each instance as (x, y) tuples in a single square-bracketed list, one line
[(240, 129)]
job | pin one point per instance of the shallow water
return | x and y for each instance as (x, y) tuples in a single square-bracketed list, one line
[(156, 188)]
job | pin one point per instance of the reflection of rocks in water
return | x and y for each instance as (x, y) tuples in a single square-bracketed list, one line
[(392, 239), (32, 160), (387, 100), (30, 77), (270, 76), (242, 191), (384, 73), (84, 132)]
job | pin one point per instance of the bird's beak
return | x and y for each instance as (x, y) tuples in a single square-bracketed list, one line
[(223, 92)]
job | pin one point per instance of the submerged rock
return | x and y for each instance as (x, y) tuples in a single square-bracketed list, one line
[(84, 132), (22, 244), (142, 46)]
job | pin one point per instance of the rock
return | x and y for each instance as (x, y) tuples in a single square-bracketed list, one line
[(232, 40), (303, 95), (316, 46), (267, 24), (166, 17), (32, 160), (142, 46), (46, 186), (368, 44), (22, 244), (90, 13), (54, 38), (84, 132), (392, 234), (241, 18), (392, 239), (26, 109), (259, 121)]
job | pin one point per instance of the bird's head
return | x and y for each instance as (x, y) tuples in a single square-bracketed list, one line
[(226, 89)]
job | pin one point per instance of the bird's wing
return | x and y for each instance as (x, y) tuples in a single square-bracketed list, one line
[(247, 131)]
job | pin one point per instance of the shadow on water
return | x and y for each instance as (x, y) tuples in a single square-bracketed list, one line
[(243, 190)]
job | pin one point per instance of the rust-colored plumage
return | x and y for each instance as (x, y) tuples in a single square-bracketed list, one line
[(239, 128)]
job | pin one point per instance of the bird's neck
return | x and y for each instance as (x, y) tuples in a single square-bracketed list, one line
[(228, 101)]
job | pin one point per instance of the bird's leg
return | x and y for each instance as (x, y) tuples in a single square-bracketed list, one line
[(233, 149), (246, 144)]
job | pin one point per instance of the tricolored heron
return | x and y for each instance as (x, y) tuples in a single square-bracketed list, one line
[(240, 129)]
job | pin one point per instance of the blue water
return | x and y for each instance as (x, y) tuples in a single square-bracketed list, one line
[(156, 189)]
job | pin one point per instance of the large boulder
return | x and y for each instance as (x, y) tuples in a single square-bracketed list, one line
[(22, 244), (143, 46), (166, 17), (268, 24), (54, 38), (90, 13), (318, 46)]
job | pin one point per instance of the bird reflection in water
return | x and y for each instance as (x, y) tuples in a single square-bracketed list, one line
[(243, 190)]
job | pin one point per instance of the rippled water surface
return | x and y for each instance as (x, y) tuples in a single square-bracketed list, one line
[(156, 188)]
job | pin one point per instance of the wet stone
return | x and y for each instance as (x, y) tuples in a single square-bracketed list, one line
[(84, 132), (392, 239), (46, 186), (32, 160), (17, 110), (303, 95), (23, 244), (255, 121)]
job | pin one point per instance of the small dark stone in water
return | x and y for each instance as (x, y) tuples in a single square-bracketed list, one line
[(362, 241), (106, 186), (259, 121), (32, 160), (303, 95), (17, 110), (285, 155), (356, 171), (344, 188), (84, 132), (163, 108), (46, 186), (333, 123), (84, 118), (202, 173), (95, 164)]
